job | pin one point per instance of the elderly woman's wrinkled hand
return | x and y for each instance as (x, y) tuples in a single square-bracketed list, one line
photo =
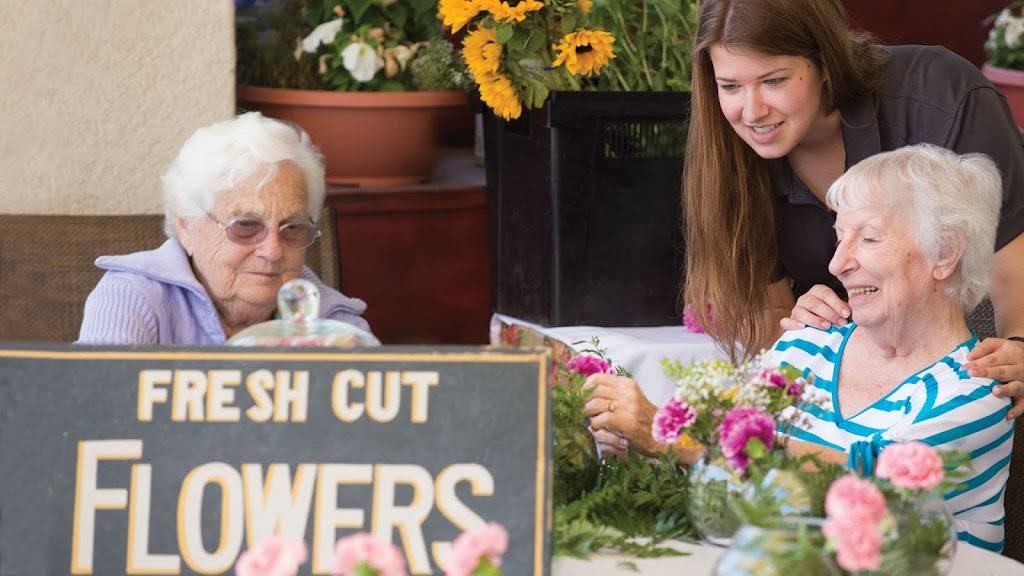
[(619, 407), (819, 307), (1001, 360)]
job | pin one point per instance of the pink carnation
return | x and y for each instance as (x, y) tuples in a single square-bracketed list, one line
[(670, 420), (854, 508), (274, 556), (360, 548), (587, 364), (775, 379), (858, 546), (738, 427), (691, 321), (490, 541), (911, 465)]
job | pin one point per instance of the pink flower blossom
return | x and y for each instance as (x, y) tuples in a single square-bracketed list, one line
[(854, 508), (692, 322), (851, 498), (912, 465), (587, 364), (858, 546), (360, 548), (490, 541), (670, 420), (775, 379), (738, 427), (274, 556)]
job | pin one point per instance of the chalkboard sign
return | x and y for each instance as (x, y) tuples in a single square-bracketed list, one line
[(174, 461)]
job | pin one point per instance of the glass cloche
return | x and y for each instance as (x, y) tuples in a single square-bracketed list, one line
[(298, 302)]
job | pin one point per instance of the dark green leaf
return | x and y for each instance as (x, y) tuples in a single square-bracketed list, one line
[(504, 33)]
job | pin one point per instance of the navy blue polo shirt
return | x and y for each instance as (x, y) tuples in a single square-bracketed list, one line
[(928, 95)]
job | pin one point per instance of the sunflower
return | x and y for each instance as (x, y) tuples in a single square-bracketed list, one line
[(458, 13), (496, 91), (505, 12), (585, 52), (585, 5), (482, 52)]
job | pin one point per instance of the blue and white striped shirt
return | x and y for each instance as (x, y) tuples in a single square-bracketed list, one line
[(941, 405)]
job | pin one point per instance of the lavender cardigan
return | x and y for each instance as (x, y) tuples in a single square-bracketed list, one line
[(153, 297)]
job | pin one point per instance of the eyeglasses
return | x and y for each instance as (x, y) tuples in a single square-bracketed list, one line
[(247, 231)]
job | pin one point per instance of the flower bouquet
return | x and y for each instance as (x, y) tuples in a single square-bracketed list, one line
[(730, 414)]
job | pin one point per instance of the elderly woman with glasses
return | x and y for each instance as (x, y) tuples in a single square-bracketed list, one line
[(241, 202)]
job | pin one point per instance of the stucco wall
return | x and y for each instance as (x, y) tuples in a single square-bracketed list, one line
[(96, 96)]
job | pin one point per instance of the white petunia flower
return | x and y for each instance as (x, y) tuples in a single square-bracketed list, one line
[(322, 34), (1014, 30), (361, 61)]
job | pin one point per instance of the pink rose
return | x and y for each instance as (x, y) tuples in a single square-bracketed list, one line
[(912, 465), (489, 542), (362, 548), (670, 420), (274, 556), (587, 364)]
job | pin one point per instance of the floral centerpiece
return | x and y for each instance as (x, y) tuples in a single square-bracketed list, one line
[(518, 51), (730, 414), (1005, 50)]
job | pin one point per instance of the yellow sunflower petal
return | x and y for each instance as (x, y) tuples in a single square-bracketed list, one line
[(585, 52), (504, 12), (482, 52), (457, 13), (585, 6), (496, 91)]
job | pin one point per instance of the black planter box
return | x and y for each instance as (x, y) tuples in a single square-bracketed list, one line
[(585, 211)]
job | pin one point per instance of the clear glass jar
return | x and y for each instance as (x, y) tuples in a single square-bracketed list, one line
[(918, 536), (788, 546), (712, 484), (298, 302)]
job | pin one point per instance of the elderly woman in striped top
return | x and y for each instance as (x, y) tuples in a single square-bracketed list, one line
[(916, 229)]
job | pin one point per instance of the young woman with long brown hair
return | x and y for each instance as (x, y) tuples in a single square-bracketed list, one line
[(785, 99)]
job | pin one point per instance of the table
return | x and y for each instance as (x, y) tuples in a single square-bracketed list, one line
[(969, 561), (639, 350)]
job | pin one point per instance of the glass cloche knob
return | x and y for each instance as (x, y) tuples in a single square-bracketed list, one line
[(298, 303)]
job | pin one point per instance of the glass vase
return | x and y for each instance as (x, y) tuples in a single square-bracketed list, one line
[(918, 536), (712, 484), (783, 547)]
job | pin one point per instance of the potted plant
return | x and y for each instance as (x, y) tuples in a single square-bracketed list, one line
[(1005, 50), (583, 148), (369, 80)]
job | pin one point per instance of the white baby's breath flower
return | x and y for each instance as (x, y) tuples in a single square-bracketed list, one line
[(361, 61), (322, 34)]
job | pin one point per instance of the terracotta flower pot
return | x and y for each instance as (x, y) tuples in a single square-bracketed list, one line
[(371, 139), (1011, 84)]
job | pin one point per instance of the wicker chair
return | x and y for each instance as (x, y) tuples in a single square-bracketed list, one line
[(46, 267)]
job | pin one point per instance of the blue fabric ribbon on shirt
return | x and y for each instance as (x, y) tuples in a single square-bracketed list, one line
[(864, 454)]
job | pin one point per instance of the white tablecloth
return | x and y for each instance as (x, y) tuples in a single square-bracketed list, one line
[(639, 350), (969, 561)]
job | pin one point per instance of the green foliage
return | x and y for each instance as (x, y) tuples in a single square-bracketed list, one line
[(653, 40), (1005, 44), (439, 67), (634, 498), (266, 36)]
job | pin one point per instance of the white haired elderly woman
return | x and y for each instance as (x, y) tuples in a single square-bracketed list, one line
[(241, 202), (916, 229)]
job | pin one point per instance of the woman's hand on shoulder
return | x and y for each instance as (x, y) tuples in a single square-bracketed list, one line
[(619, 406), (820, 307), (1002, 360)]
